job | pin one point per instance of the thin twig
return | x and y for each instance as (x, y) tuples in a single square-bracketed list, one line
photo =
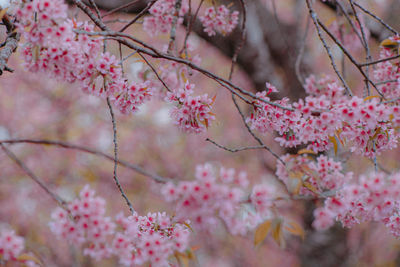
[(234, 150), (116, 157), (242, 39), (345, 51), (253, 134), (388, 81), (88, 150), (128, 56), (379, 61), (120, 8), (172, 35), (138, 16), (93, 3), (375, 160), (364, 37), (116, 20), (158, 54), (36, 179), (345, 13), (114, 127), (314, 17), (155, 72), (190, 25), (376, 18)]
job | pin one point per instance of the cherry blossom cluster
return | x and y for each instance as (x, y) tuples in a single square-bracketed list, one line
[(372, 198), (143, 239), (11, 245), (219, 19), (262, 198), (162, 15), (388, 73), (11, 249), (192, 113), (53, 45), (85, 224), (152, 238), (211, 198), (305, 176), (328, 116)]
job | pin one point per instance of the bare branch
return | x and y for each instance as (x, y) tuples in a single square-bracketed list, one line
[(36, 179), (138, 16), (234, 150), (88, 150), (120, 8), (172, 35), (242, 38), (10, 44), (314, 17), (376, 18), (114, 124)]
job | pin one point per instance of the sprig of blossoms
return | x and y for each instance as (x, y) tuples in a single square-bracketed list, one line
[(372, 198), (11, 249), (11, 245), (387, 73), (219, 19), (192, 113), (329, 116), (85, 225), (305, 176), (54, 46), (152, 238), (213, 197), (143, 239), (162, 15)]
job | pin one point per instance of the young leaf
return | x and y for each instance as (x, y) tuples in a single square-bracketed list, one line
[(26, 257), (311, 187), (387, 43), (295, 229), (306, 151), (371, 97), (262, 232), (3, 12), (335, 144), (277, 233)]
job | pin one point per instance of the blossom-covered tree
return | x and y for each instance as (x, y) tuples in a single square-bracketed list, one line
[(83, 77)]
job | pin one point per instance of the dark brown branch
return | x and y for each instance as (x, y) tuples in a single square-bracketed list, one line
[(315, 19), (114, 126), (155, 72), (242, 38), (138, 16), (265, 51), (172, 35), (157, 54), (376, 18), (120, 8), (234, 150), (378, 61), (88, 150), (10, 44)]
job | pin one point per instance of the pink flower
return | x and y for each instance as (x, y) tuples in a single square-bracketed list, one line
[(220, 20), (191, 114)]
